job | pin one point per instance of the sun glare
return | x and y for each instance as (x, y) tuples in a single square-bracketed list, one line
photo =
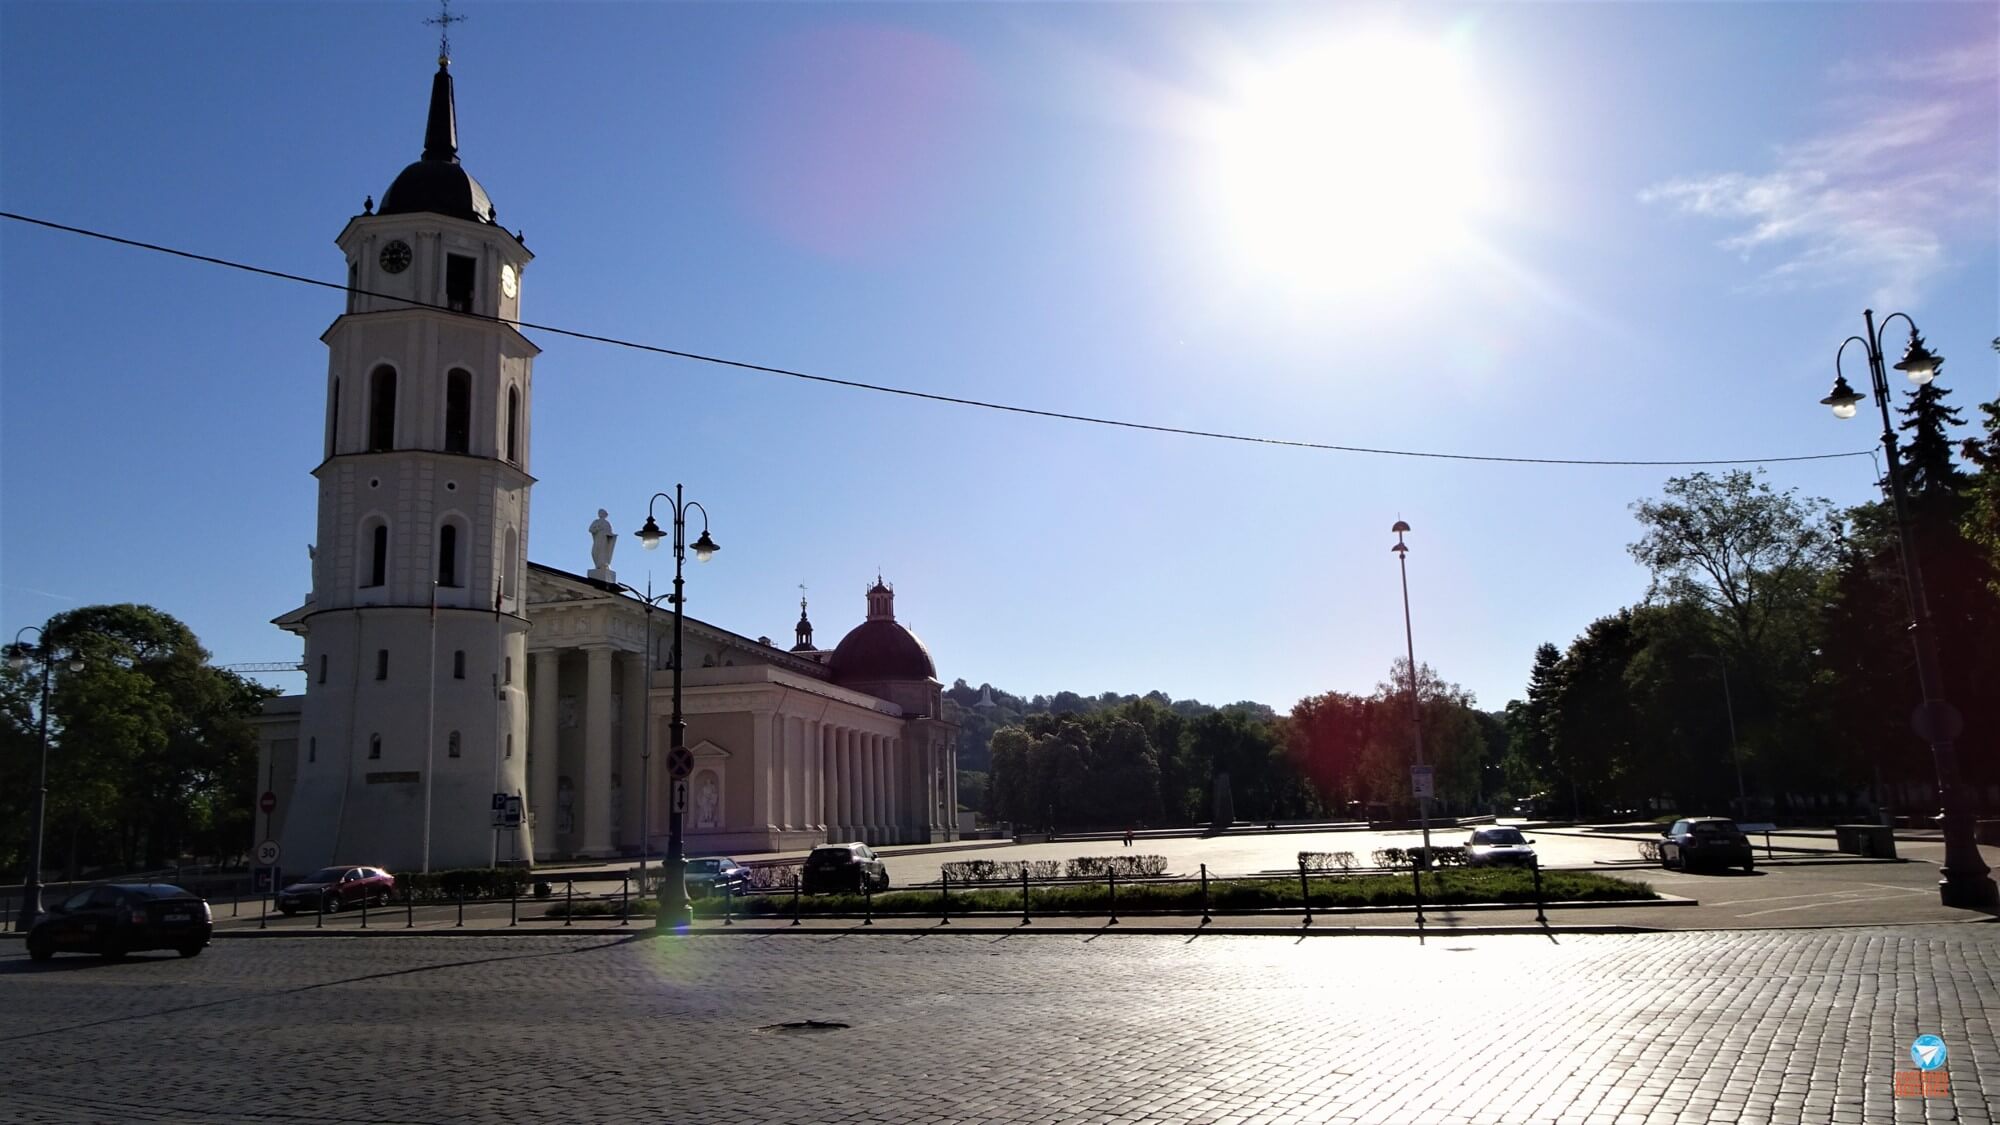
[(1351, 165)]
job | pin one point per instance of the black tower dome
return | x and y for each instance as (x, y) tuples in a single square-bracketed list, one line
[(438, 183)]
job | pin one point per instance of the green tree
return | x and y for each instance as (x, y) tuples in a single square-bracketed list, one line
[(1930, 475)]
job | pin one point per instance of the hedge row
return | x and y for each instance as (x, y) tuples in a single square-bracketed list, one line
[(1098, 866), (1001, 871), (464, 884), (1411, 857), (775, 877), (1327, 861)]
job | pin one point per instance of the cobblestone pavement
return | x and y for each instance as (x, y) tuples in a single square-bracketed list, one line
[(1794, 1026)]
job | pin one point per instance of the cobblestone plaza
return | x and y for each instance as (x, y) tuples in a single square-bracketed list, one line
[(1793, 1026)]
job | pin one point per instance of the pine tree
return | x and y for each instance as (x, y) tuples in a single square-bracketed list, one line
[(1982, 519), (1929, 473)]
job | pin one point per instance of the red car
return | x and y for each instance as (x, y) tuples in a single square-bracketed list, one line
[(338, 888)]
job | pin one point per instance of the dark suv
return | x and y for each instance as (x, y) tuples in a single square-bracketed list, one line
[(119, 918), (1705, 841), (844, 867)]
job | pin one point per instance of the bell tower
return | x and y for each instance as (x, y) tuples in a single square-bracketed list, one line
[(415, 712)]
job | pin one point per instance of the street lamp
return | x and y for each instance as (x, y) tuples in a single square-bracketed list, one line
[(675, 909), (1729, 708), (1410, 649), (646, 726), (1966, 881), (18, 655)]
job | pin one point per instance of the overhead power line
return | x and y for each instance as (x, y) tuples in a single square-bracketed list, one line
[(930, 396)]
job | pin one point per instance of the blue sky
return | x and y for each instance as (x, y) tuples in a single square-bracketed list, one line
[(1608, 231)]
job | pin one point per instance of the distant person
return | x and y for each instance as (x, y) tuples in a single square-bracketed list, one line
[(1128, 836)]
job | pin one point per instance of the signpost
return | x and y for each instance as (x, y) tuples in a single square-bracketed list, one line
[(267, 853), (1420, 782), (506, 810), (268, 803), (681, 795), (680, 762)]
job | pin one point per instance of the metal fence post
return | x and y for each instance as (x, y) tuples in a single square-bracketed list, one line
[(1305, 892), (1025, 920), (728, 904), (409, 908), (319, 920), (569, 901), (1417, 880), (1540, 916), (944, 898), (364, 911), (513, 904), (262, 903), (867, 902), (1205, 918), (625, 900), (1113, 874), (795, 896), (461, 911)]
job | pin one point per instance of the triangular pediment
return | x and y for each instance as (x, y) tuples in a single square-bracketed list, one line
[(707, 749)]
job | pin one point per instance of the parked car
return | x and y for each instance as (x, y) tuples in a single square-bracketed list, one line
[(710, 876), (1705, 841), (844, 867), (113, 919), (337, 888), (1499, 846)]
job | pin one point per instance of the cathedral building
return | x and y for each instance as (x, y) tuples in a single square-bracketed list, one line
[(446, 674)]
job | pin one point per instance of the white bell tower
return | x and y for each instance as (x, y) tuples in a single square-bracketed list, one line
[(415, 711)]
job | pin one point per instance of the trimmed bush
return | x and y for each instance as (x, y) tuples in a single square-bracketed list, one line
[(1342, 862), (466, 883), (775, 877), (1000, 871), (1391, 857), (1131, 866)]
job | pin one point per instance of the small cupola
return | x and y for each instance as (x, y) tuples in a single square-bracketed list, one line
[(881, 601), (804, 630)]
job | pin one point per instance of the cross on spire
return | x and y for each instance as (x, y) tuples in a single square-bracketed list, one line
[(444, 19)]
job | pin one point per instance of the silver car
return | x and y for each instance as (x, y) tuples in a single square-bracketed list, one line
[(1497, 847)]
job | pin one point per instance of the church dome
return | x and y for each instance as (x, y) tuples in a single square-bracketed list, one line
[(879, 648), (438, 184), (882, 650)]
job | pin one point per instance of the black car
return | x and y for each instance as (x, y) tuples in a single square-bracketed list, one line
[(1705, 841), (113, 919), (844, 867), (712, 875)]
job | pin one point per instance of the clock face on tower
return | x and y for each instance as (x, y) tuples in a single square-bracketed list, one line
[(396, 257), (508, 285)]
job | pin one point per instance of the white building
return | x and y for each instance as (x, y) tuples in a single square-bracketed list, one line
[(443, 668)]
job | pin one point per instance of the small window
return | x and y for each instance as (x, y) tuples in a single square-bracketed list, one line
[(451, 745), (514, 424), (458, 665), (333, 420), (353, 283), (381, 663), (374, 746), (312, 749), (512, 542), (510, 744), (507, 670), (322, 667), (457, 410), (378, 556), (448, 555), (459, 272), (382, 409)]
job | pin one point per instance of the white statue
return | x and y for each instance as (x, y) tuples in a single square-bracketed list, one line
[(705, 801), (602, 540)]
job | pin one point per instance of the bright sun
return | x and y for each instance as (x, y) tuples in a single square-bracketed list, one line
[(1352, 165)]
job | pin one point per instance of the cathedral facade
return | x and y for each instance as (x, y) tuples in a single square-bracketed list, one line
[(447, 674)]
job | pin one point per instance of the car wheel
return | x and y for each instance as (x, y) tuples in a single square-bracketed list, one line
[(331, 904), (288, 910), (39, 948), (111, 950), (189, 950), (1749, 865)]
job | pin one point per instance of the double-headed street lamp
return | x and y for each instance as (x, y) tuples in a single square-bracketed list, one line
[(1966, 881), (1416, 713), (675, 909), (646, 726), (18, 655)]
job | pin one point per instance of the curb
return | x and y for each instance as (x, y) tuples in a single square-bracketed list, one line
[(1296, 930)]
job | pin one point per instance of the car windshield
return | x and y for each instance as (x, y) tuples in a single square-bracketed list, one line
[(1498, 836), (704, 865)]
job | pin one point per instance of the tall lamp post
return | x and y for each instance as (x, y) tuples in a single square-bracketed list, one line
[(1966, 881), (675, 909), (646, 726), (18, 655), (1410, 650)]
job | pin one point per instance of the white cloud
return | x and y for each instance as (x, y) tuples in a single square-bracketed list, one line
[(1882, 200)]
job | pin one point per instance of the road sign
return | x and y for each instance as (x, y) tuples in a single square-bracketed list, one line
[(680, 796), (267, 853), (267, 802), (1420, 782), (510, 817), (680, 762), (265, 880)]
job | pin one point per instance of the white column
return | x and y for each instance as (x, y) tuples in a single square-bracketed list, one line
[(930, 789), (632, 735), (816, 778), (951, 796), (790, 767), (898, 789), (882, 786), (543, 744), (597, 752), (843, 747), (760, 770), (871, 815)]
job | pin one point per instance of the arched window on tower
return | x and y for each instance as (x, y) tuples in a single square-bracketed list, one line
[(333, 420), (512, 547), (514, 424), (378, 554), (382, 409), (447, 574), (458, 411)]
